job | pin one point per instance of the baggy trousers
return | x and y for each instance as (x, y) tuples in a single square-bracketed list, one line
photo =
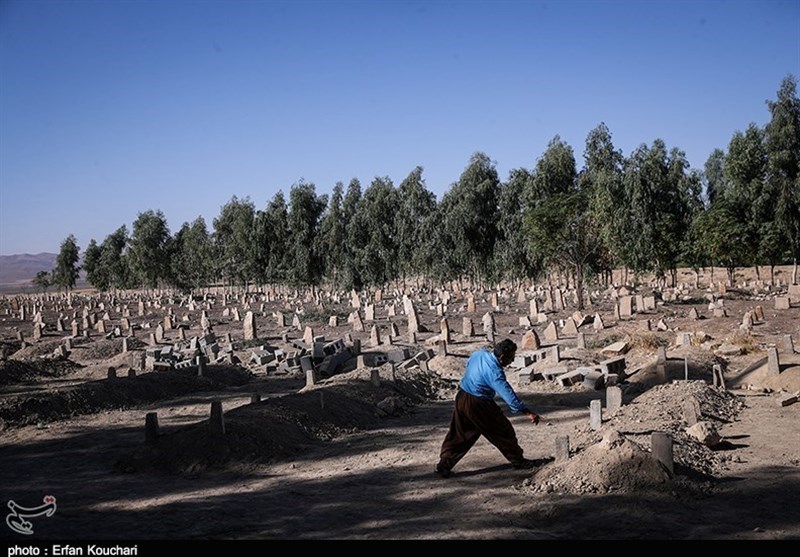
[(473, 417)]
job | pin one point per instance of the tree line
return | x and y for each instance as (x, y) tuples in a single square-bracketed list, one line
[(647, 212)]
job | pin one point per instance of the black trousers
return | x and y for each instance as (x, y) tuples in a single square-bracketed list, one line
[(473, 417)]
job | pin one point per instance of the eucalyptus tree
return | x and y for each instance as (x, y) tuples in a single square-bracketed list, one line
[(332, 236), (471, 218), (512, 261), (272, 241), (559, 223), (234, 241), (375, 246), (192, 261), (783, 168), (42, 280), (415, 204), (661, 192), (554, 179), (305, 212), (714, 176), (354, 236), (148, 253), (66, 271), (602, 177), (96, 274), (114, 258), (747, 195)]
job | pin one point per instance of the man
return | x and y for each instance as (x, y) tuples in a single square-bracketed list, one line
[(476, 413)]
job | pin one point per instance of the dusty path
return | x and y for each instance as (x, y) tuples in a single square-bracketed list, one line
[(379, 485)]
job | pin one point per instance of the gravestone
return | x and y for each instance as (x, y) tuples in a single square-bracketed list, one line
[(467, 328), (569, 329), (488, 323), (533, 308), (661, 446), (613, 399), (445, 330), (249, 326), (624, 306), (530, 341), (595, 414), (597, 324), (773, 361), (375, 336), (551, 332), (358, 324)]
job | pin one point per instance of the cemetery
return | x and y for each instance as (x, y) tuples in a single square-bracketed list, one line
[(324, 410)]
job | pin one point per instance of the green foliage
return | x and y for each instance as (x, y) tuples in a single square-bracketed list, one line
[(272, 241), (42, 280), (332, 237), (192, 261), (372, 233), (234, 241), (66, 271), (783, 165), (305, 212), (415, 205), (149, 249)]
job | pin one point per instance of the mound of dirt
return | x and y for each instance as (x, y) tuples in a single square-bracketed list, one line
[(16, 371), (119, 393), (619, 458), (283, 426)]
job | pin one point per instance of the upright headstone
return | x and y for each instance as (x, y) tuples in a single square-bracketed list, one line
[(358, 324), (624, 305), (570, 329), (661, 443), (467, 328), (598, 322), (613, 399), (773, 362), (551, 332), (562, 449), (445, 330), (530, 341), (411, 315), (470, 303), (595, 414), (533, 308), (788, 345), (375, 336), (249, 326), (308, 336)]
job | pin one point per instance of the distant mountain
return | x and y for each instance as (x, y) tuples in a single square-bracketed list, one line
[(17, 271)]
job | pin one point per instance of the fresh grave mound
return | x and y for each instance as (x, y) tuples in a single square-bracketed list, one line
[(13, 371), (618, 457), (612, 465), (285, 426), (118, 393)]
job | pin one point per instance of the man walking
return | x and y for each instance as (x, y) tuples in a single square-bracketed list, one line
[(476, 413)]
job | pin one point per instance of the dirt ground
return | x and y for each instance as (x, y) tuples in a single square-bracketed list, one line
[(351, 457)]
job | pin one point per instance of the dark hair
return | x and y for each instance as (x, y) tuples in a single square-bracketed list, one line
[(504, 348)]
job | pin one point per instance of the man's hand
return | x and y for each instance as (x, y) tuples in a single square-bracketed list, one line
[(534, 417)]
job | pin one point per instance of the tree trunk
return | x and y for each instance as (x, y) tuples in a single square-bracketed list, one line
[(794, 272)]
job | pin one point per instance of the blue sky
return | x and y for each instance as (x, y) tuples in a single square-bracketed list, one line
[(109, 108)]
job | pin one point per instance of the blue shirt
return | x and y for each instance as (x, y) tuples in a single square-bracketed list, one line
[(485, 378)]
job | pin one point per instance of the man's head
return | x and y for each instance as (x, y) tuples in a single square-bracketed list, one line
[(505, 351)]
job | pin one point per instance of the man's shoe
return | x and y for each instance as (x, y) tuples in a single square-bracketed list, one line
[(442, 471), (524, 464)]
